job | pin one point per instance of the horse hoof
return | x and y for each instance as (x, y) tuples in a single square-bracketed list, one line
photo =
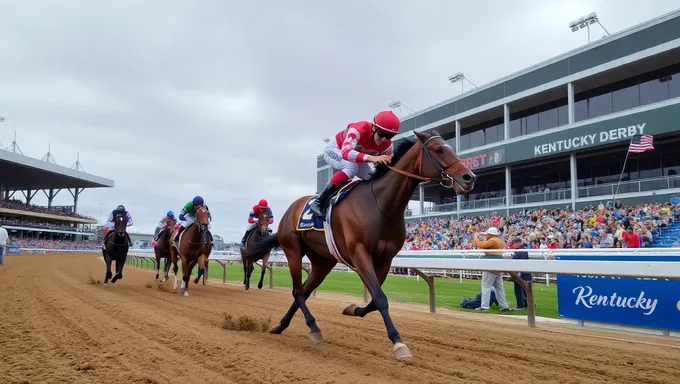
[(196, 280), (316, 337), (106, 285), (276, 330), (401, 351), (259, 286), (186, 293), (350, 310)]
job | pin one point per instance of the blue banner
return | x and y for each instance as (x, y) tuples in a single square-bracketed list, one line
[(641, 302), (13, 250)]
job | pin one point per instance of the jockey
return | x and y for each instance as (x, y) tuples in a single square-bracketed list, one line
[(110, 224), (188, 215), (354, 147), (253, 218), (167, 221)]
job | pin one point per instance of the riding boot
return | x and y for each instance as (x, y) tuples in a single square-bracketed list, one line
[(243, 240), (129, 240), (318, 208), (178, 233)]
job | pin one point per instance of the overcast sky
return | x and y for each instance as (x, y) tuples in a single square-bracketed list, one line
[(231, 101)]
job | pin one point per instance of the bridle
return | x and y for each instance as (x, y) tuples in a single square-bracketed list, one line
[(444, 176)]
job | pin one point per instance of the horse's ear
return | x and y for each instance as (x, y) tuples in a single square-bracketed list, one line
[(422, 136)]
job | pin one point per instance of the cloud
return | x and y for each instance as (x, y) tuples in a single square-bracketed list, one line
[(231, 100)]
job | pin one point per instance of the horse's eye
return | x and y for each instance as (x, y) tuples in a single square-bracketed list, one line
[(439, 151)]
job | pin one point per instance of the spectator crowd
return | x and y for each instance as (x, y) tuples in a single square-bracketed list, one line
[(21, 206), (605, 226), (54, 244)]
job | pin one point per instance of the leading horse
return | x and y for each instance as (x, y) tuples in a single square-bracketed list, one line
[(116, 248), (262, 230), (194, 248), (366, 229)]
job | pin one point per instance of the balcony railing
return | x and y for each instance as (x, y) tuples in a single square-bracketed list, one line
[(633, 186), (636, 186)]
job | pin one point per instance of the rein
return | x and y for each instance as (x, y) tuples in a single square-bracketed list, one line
[(444, 176)]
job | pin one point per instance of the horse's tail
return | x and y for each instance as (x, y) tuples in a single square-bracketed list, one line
[(259, 247)]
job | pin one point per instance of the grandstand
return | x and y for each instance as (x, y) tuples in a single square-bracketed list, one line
[(38, 226), (556, 135)]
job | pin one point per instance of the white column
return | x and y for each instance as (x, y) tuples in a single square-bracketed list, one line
[(421, 193), (508, 186), (574, 180), (570, 102), (506, 120), (457, 136)]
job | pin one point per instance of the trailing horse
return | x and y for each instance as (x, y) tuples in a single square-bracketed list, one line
[(162, 251), (365, 231), (116, 247), (193, 248), (261, 231)]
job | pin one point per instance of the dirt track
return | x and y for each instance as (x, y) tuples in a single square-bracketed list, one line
[(57, 325)]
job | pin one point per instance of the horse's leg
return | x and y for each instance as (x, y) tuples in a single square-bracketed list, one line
[(107, 260), (365, 270), (354, 310), (187, 274), (201, 268), (166, 267), (246, 283), (158, 263), (321, 267), (265, 260)]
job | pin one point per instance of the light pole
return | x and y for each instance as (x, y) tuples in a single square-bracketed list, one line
[(399, 104), (584, 22), (460, 76)]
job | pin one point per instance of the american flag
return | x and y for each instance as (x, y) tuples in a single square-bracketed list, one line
[(641, 143)]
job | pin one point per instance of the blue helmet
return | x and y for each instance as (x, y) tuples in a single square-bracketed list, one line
[(198, 200), (171, 214)]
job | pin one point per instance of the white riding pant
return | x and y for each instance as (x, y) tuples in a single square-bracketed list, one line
[(251, 225), (188, 220), (333, 157)]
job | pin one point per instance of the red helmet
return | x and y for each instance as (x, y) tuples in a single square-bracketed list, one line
[(263, 204), (387, 122)]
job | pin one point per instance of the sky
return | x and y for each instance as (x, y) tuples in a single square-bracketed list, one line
[(231, 100)]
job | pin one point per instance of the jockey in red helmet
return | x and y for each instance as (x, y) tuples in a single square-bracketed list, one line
[(354, 147), (253, 218)]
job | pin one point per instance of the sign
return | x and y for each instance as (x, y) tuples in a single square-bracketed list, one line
[(641, 302), (584, 135), (13, 250), (589, 140), (485, 159)]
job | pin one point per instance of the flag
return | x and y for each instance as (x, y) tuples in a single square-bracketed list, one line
[(641, 143)]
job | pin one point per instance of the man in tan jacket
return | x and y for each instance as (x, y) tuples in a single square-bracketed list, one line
[(493, 241)]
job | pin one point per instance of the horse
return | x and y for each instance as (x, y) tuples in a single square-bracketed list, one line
[(116, 248), (260, 231), (162, 251), (194, 248), (366, 229)]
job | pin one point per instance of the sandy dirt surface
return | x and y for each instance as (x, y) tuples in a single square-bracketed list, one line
[(58, 324)]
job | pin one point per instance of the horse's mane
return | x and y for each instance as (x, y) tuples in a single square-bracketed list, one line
[(399, 152)]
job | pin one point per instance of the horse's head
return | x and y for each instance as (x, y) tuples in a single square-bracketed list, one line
[(439, 161), (202, 219), (263, 223), (120, 224)]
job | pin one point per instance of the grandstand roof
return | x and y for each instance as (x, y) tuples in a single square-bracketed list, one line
[(19, 172)]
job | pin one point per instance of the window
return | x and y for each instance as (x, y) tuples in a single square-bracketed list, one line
[(599, 105), (562, 115), (464, 142), (494, 134), (625, 98), (674, 86), (531, 124), (476, 138), (653, 91), (580, 110), (548, 119), (515, 128)]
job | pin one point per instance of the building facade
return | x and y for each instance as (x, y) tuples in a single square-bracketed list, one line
[(557, 133)]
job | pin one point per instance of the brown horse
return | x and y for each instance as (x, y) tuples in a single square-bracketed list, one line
[(259, 232), (162, 250), (194, 248), (366, 230), (116, 246)]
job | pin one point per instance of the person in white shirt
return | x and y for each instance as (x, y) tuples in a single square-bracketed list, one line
[(4, 240)]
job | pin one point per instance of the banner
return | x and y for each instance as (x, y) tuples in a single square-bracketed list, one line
[(641, 302), (13, 250)]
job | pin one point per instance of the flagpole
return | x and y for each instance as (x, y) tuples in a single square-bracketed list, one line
[(622, 170)]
